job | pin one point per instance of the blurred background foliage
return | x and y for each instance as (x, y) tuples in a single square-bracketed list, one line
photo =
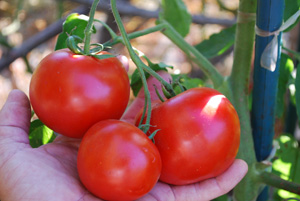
[(22, 20)]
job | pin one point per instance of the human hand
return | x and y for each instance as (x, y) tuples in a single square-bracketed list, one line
[(50, 173), (45, 173)]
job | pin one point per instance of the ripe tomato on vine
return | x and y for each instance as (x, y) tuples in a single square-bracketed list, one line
[(198, 135), (117, 161), (70, 92)]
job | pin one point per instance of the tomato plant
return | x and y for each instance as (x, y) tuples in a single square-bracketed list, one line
[(198, 137), (71, 92), (117, 161), (198, 131)]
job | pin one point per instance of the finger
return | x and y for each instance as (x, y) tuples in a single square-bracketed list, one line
[(139, 101), (161, 191), (124, 60), (152, 82), (15, 117), (215, 187), (60, 139)]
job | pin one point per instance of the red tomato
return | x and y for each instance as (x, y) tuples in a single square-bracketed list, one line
[(70, 92), (117, 161), (199, 135)]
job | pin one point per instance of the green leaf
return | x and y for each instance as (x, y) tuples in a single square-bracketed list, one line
[(40, 134), (187, 82), (217, 43), (74, 24), (287, 164), (291, 7), (136, 81), (285, 74), (175, 12), (297, 92), (4, 42)]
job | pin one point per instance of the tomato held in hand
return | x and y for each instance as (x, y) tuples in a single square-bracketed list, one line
[(70, 92), (198, 137), (117, 161)]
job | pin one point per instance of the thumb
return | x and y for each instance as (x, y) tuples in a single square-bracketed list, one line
[(15, 118), (152, 82), (139, 101)]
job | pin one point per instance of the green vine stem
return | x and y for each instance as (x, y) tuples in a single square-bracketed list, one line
[(239, 79), (191, 52), (135, 34), (137, 61), (172, 34), (89, 27), (119, 39), (275, 181), (239, 82), (113, 34), (206, 66)]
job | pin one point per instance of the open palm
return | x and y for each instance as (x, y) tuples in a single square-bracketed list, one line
[(50, 173)]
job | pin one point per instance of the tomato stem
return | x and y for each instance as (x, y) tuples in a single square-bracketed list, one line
[(136, 34), (191, 52), (89, 28), (137, 61), (239, 79), (151, 137), (72, 43), (277, 182), (158, 94), (111, 32), (204, 64), (119, 39)]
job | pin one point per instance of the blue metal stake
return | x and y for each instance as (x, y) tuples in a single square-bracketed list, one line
[(269, 18)]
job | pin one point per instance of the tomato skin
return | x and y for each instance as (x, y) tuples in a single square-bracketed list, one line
[(199, 135), (70, 93), (117, 161)]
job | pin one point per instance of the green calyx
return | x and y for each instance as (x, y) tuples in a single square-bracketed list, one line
[(73, 44), (88, 49)]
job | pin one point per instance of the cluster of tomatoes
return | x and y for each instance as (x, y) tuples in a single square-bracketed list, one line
[(79, 96)]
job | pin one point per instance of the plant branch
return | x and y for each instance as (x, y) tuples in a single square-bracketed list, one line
[(135, 34), (119, 39), (275, 181), (193, 53), (135, 58), (88, 30), (239, 83), (137, 61), (240, 76), (204, 64), (111, 32)]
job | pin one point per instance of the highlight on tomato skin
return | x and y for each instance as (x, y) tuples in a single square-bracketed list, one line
[(198, 128), (117, 161), (71, 92)]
